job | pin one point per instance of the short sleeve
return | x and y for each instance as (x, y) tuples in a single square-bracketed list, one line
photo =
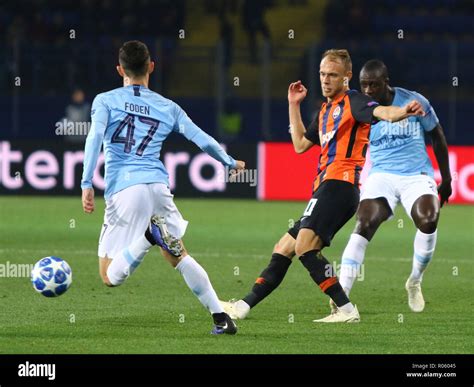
[(312, 132), (430, 120), (362, 107)]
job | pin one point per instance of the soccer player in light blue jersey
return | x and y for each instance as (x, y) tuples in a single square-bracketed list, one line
[(132, 122), (401, 173)]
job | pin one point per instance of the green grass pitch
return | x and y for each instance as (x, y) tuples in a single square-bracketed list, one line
[(154, 312)]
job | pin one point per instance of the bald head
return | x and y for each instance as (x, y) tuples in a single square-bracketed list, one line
[(374, 80), (376, 67)]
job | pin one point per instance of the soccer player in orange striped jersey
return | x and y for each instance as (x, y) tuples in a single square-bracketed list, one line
[(341, 128)]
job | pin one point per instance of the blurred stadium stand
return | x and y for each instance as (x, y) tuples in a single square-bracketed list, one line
[(198, 69)]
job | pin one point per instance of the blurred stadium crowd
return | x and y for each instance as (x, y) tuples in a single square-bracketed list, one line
[(58, 48)]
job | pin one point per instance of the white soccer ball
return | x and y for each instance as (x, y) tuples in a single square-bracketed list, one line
[(51, 276)]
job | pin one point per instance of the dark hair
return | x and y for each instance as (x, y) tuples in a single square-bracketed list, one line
[(134, 58), (375, 65)]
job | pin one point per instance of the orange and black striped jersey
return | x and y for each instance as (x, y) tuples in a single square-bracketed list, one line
[(342, 129)]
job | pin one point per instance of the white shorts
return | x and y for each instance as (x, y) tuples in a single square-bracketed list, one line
[(398, 189), (128, 213)]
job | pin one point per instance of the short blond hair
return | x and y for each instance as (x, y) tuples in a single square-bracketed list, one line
[(340, 55)]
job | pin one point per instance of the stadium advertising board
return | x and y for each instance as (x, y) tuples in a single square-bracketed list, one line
[(284, 175), (56, 168), (26, 168)]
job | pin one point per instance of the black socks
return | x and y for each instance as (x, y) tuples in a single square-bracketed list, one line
[(269, 279), (322, 272)]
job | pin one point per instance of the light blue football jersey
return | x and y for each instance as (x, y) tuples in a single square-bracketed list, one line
[(399, 147), (132, 122)]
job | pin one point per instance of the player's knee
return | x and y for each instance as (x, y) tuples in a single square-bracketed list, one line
[(426, 221), (284, 249), (105, 280), (366, 226), (104, 264), (105, 277), (278, 249), (428, 225), (285, 246), (303, 247), (307, 240)]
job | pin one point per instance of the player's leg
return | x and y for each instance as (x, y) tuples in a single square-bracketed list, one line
[(195, 278), (127, 261), (308, 247), (425, 214), (272, 276), (370, 215), (166, 231), (104, 263), (332, 205), (123, 239), (269, 279), (378, 201)]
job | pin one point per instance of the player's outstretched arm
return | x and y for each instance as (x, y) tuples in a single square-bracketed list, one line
[(440, 149), (296, 93), (206, 143), (397, 113)]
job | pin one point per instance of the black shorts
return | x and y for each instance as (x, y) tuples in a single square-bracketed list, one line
[(332, 205)]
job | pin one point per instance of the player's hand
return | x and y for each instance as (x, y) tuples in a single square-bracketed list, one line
[(240, 165), (88, 200), (445, 191), (296, 92), (239, 168), (414, 108)]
